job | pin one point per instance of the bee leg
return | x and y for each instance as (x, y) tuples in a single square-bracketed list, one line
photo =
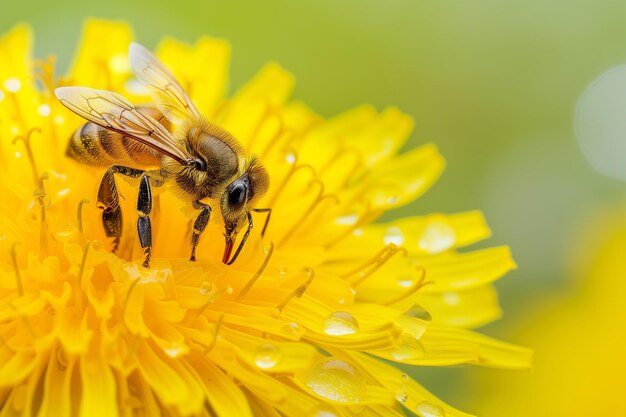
[(267, 219), (109, 202), (144, 227), (243, 240), (198, 226)]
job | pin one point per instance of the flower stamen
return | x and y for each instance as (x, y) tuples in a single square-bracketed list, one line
[(374, 264), (292, 157), (298, 292), (40, 195), (218, 326), (79, 215), (29, 150), (307, 212), (257, 274), (79, 277), (227, 289), (18, 277), (412, 289)]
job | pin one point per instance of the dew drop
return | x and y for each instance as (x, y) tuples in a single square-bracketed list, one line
[(418, 312), (409, 348), (59, 120), (394, 235), (347, 220), (65, 230), (402, 394), (336, 380), (290, 158), (282, 272), (266, 250), (340, 323), (426, 409), (174, 350), (451, 298), (291, 329), (205, 288), (322, 410), (437, 237), (407, 282), (267, 356), (392, 199)]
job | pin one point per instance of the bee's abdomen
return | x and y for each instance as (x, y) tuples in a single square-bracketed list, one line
[(96, 146)]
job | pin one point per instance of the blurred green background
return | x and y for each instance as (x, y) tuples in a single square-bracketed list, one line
[(493, 83)]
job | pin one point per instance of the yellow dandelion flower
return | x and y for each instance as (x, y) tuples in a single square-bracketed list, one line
[(297, 326)]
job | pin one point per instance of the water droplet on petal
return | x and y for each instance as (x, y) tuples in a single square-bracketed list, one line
[(290, 158), (282, 271), (426, 409), (206, 288), (267, 356), (451, 298), (323, 410), (437, 237), (418, 312), (394, 235), (292, 329), (406, 282), (409, 348), (402, 395), (340, 323), (174, 350), (336, 380), (392, 199), (65, 231), (347, 220)]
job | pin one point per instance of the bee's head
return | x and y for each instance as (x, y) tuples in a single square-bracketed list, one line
[(236, 200)]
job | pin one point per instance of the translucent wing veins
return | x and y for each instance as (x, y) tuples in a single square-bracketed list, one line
[(114, 112)]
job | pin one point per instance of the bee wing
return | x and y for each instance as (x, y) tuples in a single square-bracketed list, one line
[(114, 112), (169, 95)]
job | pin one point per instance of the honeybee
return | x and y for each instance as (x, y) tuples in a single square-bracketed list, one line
[(201, 160)]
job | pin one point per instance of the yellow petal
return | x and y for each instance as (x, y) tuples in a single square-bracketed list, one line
[(402, 180), (99, 388), (224, 396), (458, 271), (449, 345), (102, 59)]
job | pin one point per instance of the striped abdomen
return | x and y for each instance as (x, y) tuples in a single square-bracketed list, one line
[(96, 146)]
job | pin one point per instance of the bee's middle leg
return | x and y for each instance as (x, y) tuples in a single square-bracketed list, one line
[(109, 201), (198, 226), (144, 227)]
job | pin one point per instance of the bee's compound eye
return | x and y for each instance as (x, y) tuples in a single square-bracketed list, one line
[(199, 164), (236, 195)]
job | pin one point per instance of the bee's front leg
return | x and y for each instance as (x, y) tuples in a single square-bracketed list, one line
[(144, 227), (198, 226)]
